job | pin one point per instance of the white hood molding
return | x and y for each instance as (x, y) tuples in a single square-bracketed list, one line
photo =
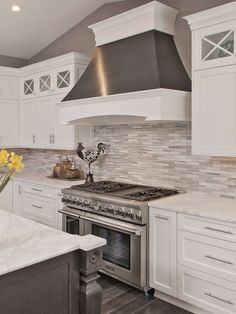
[(135, 107)]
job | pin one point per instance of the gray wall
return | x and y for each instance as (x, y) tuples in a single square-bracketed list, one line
[(81, 39), (12, 62)]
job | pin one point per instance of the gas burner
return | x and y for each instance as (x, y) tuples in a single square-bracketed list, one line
[(103, 187), (152, 193)]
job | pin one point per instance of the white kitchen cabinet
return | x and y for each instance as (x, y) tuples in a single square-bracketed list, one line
[(9, 123), (37, 202), (214, 46), (214, 81), (28, 86), (207, 292), (6, 197), (53, 76), (27, 123), (8, 86), (214, 112), (44, 122), (163, 248)]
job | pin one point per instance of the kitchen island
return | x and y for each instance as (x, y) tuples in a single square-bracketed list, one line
[(43, 270)]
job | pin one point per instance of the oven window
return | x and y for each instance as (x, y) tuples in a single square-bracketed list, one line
[(117, 250), (72, 225)]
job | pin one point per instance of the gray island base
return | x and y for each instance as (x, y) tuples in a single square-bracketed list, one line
[(46, 271)]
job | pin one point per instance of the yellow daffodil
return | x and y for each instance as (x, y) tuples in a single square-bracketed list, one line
[(15, 162), (4, 155)]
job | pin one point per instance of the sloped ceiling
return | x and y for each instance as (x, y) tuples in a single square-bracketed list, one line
[(39, 23)]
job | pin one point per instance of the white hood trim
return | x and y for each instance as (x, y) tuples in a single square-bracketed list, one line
[(135, 107)]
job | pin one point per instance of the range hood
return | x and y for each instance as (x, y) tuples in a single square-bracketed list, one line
[(136, 74)]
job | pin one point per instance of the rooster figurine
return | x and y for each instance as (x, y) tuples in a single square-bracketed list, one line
[(89, 156)]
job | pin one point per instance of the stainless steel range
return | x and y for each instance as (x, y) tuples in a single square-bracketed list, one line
[(117, 212)]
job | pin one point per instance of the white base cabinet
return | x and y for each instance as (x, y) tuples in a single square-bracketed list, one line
[(163, 245), (37, 202), (200, 270)]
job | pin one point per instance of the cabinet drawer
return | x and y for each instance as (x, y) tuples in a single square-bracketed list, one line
[(213, 256), (205, 226), (38, 208), (38, 190), (212, 294)]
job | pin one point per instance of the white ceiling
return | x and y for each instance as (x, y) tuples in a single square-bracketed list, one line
[(39, 23)]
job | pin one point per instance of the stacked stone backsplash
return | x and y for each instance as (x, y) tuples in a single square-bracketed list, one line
[(154, 154)]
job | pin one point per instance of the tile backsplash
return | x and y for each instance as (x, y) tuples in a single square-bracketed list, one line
[(154, 154)]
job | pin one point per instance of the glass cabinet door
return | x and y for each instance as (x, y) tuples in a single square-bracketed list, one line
[(214, 46), (63, 79), (45, 83), (29, 87), (219, 45)]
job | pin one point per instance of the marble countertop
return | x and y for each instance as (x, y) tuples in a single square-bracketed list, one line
[(199, 205), (24, 242), (44, 180)]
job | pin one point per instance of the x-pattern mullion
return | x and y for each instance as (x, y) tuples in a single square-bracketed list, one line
[(29, 87), (45, 83), (218, 45), (63, 79)]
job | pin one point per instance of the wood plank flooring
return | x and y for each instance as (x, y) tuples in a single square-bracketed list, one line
[(118, 298)]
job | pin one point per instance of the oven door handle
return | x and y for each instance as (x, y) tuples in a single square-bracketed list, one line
[(109, 223)]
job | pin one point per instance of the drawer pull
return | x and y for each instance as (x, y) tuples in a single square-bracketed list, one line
[(218, 230), (36, 206), (37, 190), (162, 217), (219, 260), (218, 298)]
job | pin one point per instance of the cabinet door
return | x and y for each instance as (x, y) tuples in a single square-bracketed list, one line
[(214, 112), (8, 87), (28, 130), (214, 46), (162, 247), (64, 136), (6, 198), (44, 81), (8, 123), (64, 78), (44, 122), (28, 87)]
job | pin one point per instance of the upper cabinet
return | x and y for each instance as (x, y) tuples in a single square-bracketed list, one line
[(53, 76), (214, 46), (214, 81)]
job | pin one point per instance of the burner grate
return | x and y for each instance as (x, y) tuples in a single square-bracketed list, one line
[(103, 187), (152, 193)]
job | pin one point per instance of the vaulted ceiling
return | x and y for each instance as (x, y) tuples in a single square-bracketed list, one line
[(40, 22)]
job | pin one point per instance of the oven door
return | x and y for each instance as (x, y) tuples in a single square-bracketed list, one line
[(125, 255)]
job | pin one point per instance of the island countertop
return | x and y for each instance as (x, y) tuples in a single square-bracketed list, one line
[(24, 242)]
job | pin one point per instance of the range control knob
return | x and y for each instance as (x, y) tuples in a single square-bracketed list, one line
[(130, 213), (64, 199), (121, 211), (138, 215), (110, 210), (97, 206), (74, 200), (86, 203), (79, 201)]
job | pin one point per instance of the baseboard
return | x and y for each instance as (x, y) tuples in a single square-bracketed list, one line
[(182, 304)]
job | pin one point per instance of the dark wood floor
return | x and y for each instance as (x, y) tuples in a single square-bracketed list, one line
[(119, 298)]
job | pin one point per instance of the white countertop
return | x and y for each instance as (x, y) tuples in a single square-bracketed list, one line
[(44, 180), (199, 205), (24, 242)]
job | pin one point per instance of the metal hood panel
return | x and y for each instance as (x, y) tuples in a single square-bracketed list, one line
[(145, 61)]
